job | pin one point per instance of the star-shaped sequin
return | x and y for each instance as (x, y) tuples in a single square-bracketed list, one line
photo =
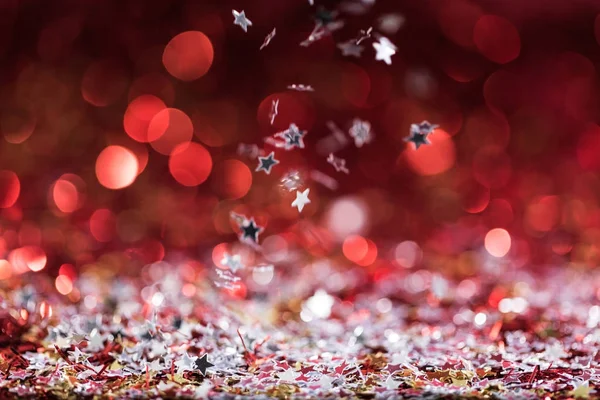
[(234, 262), (185, 363), (250, 230), (384, 50), (350, 48), (274, 110), (338, 163), (301, 199), (293, 137), (266, 163), (268, 38), (417, 139), (241, 20), (424, 128), (202, 364), (361, 132)]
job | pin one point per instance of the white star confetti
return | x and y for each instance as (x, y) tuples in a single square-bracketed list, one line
[(268, 39), (291, 181), (241, 20), (301, 200), (338, 163), (384, 50), (361, 132)]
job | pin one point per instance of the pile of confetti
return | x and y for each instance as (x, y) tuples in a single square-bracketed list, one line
[(370, 237), (420, 337)]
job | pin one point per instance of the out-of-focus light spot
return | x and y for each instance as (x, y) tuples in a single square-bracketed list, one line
[(543, 213), (216, 122), (5, 269), (519, 305), (384, 305), (432, 159), (355, 248), (45, 310), (138, 115), (10, 188), (116, 167), (68, 270), (188, 290), (16, 126), (475, 197), (408, 254), (90, 302), (466, 289), (275, 248), (497, 39), (155, 84), (457, 19), (103, 82), (355, 84), (497, 242), (492, 167), (34, 257), (263, 275), (170, 129), (157, 299), (65, 196), (588, 148), (218, 253), (103, 225), (231, 179), (347, 216), (188, 56), (191, 166), (480, 319), (505, 305), (319, 305), (63, 284), (370, 256)]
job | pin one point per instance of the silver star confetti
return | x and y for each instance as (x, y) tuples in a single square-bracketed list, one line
[(361, 132), (350, 48), (266, 163), (268, 39), (338, 163), (241, 20)]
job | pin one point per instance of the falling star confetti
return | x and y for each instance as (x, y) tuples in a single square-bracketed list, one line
[(250, 230), (268, 39), (202, 364), (233, 262), (384, 50), (301, 199), (423, 128), (361, 132), (363, 35), (338, 163), (350, 48), (418, 139), (241, 20), (266, 163), (274, 110), (291, 181)]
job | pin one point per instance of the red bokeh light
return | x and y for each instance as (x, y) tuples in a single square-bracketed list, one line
[(116, 167), (497, 242), (188, 56), (433, 159), (65, 196), (231, 179), (103, 83), (497, 39), (169, 129), (10, 188), (155, 84), (190, 166), (138, 115), (103, 225), (16, 125)]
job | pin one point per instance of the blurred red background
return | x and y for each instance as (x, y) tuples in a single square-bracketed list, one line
[(120, 122)]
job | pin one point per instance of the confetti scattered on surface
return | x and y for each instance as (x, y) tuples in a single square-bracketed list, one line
[(144, 255)]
